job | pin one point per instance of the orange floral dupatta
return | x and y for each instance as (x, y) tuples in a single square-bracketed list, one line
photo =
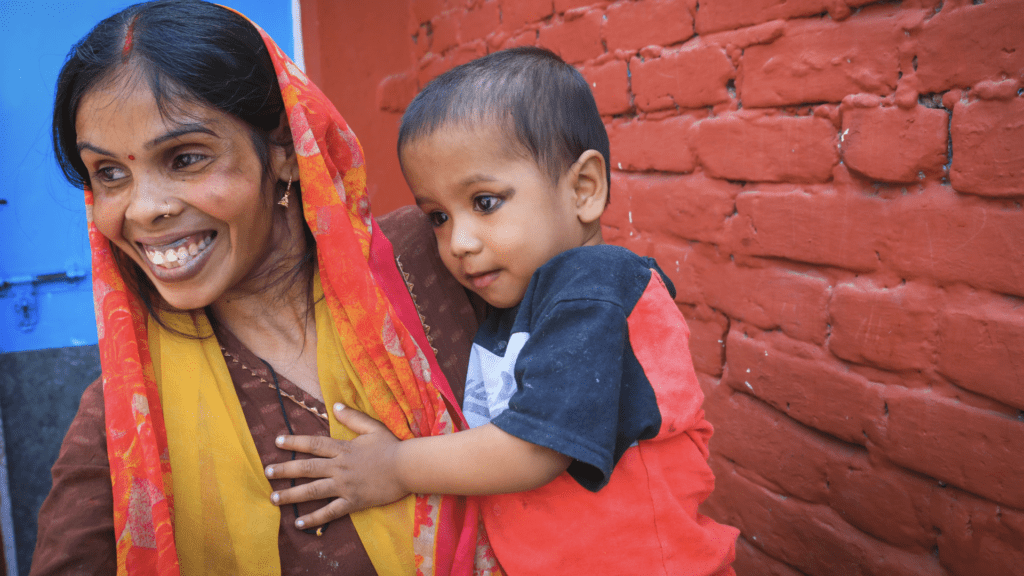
[(377, 325)]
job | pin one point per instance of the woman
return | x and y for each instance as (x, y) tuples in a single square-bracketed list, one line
[(240, 284)]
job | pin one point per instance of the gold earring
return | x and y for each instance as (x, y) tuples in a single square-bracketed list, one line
[(284, 199)]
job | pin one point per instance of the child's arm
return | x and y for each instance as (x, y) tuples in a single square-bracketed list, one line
[(376, 468)]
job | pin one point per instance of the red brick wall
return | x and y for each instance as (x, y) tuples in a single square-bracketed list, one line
[(835, 187)]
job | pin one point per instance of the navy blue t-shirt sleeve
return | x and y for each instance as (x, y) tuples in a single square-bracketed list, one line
[(569, 374)]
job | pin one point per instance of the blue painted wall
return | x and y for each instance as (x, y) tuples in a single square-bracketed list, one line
[(45, 289)]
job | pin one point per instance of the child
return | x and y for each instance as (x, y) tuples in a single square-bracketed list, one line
[(587, 432)]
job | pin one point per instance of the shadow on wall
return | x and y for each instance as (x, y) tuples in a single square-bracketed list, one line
[(39, 395)]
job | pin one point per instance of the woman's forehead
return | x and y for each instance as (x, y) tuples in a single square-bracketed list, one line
[(128, 109)]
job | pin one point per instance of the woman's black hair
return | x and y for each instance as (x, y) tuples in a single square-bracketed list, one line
[(186, 52)]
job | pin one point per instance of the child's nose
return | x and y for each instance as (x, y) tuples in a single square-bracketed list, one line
[(464, 240)]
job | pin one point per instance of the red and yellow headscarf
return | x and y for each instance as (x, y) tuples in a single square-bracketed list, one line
[(194, 491)]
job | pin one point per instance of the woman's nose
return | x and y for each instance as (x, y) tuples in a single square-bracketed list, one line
[(147, 202)]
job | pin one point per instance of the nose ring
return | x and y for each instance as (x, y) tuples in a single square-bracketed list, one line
[(167, 210)]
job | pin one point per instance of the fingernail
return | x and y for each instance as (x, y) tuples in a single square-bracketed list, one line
[(338, 407), (300, 523), (279, 440), (275, 497), (270, 471)]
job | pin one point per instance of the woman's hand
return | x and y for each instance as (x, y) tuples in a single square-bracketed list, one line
[(358, 474)]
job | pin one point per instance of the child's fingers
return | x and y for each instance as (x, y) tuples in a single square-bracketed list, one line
[(322, 446), (356, 421), (316, 490), (303, 468), (336, 509)]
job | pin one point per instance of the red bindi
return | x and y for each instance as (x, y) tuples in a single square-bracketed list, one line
[(130, 157)]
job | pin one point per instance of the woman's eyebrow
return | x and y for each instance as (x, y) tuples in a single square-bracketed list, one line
[(176, 133), (182, 130), (86, 146)]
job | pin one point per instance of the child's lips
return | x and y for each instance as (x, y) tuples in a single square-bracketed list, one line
[(484, 279)]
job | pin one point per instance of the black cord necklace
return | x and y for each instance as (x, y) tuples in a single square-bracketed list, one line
[(319, 530)]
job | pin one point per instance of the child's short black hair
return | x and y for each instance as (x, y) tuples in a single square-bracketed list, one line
[(543, 105)]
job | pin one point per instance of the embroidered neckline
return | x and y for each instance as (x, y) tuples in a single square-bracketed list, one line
[(270, 385)]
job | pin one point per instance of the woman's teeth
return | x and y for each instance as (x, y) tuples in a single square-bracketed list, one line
[(180, 255)]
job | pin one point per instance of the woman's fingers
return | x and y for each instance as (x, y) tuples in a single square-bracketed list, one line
[(356, 421), (322, 446)]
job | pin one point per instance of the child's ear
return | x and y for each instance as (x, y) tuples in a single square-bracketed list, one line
[(591, 186)]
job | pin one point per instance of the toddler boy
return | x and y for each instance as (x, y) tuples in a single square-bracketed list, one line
[(587, 433)]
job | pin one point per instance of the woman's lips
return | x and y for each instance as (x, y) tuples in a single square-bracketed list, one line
[(178, 253), (180, 259)]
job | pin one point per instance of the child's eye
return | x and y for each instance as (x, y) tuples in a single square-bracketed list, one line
[(185, 160), (437, 218), (486, 203)]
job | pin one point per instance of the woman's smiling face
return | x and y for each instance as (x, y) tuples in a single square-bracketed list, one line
[(183, 194)]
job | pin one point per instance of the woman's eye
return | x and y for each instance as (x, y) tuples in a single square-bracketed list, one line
[(109, 174), (486, 203), (437, 218), (186, 160)]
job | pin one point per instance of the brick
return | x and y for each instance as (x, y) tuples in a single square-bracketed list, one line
[(962, 45), (445, 33), (895, 145), (978, 537), (395, 92), (815, 391), (718, 15), (422, 42), (663, 145), (632, 25), (751, 560), (707, 339), (950, 238), (527, 38), (518, 13), (812, 538), (891, 328), (468, 52), (562, 6), (988, 147), (425, 10), (685, 264), (575, 40), (982, 349), (977, 450), (610, 84), (432, 66), (828, 228), (753, 147), (480, 21), (771, 299), (884, 501), (680, 207), (693, 76), (818, 60), (791, 459)]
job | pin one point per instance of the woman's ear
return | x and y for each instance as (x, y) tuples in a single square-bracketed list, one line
[(283, 160), (591, 186)]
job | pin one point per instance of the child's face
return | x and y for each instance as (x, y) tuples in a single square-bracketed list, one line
[(496, 215)]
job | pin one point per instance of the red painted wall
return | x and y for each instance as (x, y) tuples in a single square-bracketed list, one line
[(835, 187)]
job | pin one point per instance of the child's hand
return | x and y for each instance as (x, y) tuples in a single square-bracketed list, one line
[(359, 473)]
